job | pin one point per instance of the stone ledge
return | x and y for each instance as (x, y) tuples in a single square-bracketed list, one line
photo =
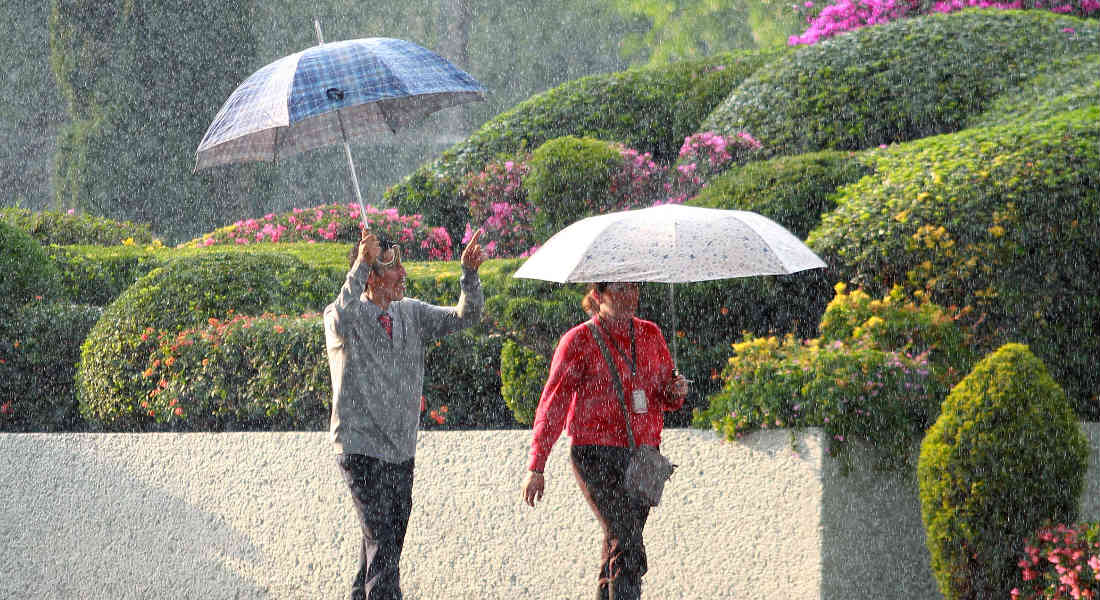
[(266, 515)]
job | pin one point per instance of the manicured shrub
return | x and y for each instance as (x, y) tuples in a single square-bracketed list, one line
[(568, 180), (877, 373), (523, 373), (1060, 562), (1003, 222), (1065, 84), (184, 293), (39, 349), (651, 109), (335, 223), (70, 228), (240, 373), (463, 375), (98, 277), (25, 271), (896, 82), (793, 191), (1006, 455)]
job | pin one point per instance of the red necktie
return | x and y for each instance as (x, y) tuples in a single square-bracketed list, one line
[(387, 323)]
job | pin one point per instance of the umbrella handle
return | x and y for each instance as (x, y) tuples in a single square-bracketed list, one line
[(672, 305)]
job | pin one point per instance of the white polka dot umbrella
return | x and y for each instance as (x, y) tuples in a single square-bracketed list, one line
[(671, 244)]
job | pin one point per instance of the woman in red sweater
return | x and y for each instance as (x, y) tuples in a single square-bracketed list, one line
[(581, 397)]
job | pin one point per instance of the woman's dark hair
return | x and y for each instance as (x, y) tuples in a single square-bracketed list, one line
[(590, 304)]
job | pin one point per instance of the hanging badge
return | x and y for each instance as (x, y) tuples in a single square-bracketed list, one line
[(639, 401)]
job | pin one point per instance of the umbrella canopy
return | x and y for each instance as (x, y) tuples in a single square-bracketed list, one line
[(329, 93), (670, 243)]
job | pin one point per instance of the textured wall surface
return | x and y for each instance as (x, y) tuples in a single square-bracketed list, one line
[(266, 515)]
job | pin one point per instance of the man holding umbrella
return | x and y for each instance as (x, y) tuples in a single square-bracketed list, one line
[(375, 340)]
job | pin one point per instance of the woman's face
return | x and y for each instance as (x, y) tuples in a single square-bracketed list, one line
[(619, 300)]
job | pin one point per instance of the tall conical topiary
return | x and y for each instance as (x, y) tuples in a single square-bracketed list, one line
[(1006, 454)]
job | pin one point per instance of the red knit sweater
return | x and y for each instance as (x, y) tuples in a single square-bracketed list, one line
[(580, 395)]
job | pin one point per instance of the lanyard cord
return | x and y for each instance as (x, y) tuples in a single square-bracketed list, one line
[(633, 360)]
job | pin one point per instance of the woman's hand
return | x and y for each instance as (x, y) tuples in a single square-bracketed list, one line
[(533, 486), (678, 386)]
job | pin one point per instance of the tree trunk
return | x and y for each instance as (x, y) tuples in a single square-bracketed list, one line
[(455, 46)]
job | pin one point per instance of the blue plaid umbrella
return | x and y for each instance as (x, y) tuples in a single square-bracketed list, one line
[(328, 94)]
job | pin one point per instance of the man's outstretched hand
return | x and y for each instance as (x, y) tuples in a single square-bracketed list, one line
[(473, 256)]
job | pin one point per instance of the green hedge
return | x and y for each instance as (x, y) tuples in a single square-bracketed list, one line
[(650, 109), (1003, 222), (1005, 456), (184, 293), (39, 350), (52, 227), (1064, 84), (25, 271), (98, 276), (463, 374), (793, 191), (900, 81)]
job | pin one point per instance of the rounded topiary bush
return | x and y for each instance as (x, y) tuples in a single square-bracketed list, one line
[(650, 109), (793, 191), (569, 179), (25, 271), (98, 277), (900, 81), (1064, 84), (184, 293), (1002, 222), (39, 351), (1005, 455), (523, 373), (53, 227)]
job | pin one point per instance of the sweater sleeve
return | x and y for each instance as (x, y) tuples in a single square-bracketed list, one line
[(557, 398), (439, 321), (350, 294)]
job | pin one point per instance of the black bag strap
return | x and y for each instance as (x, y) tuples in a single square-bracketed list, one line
[(614, 377)]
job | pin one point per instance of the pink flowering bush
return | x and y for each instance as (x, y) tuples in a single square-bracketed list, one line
[(1061, 562), (877, 374), (498, 204), (336, 223), (847, 15), (705, 155)]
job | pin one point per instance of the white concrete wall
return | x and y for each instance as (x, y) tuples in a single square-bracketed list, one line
[(266, 515)]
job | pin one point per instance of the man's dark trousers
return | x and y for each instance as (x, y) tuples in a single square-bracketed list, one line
[(382, 493)]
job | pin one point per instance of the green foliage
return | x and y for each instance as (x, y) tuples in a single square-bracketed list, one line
[(184, 293), (1065, 84), (650, 109), (1006, 455), (51, 227), (568, 180), (241, 373), (127, 153), (39, 349), (33, 110), (901, 81), (522, 374), (877, 373), (793, 191), (464, 374), (25, 271), (1002, 222), (97, 275)]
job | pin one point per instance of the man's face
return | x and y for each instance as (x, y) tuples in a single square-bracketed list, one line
[(389, 284)]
